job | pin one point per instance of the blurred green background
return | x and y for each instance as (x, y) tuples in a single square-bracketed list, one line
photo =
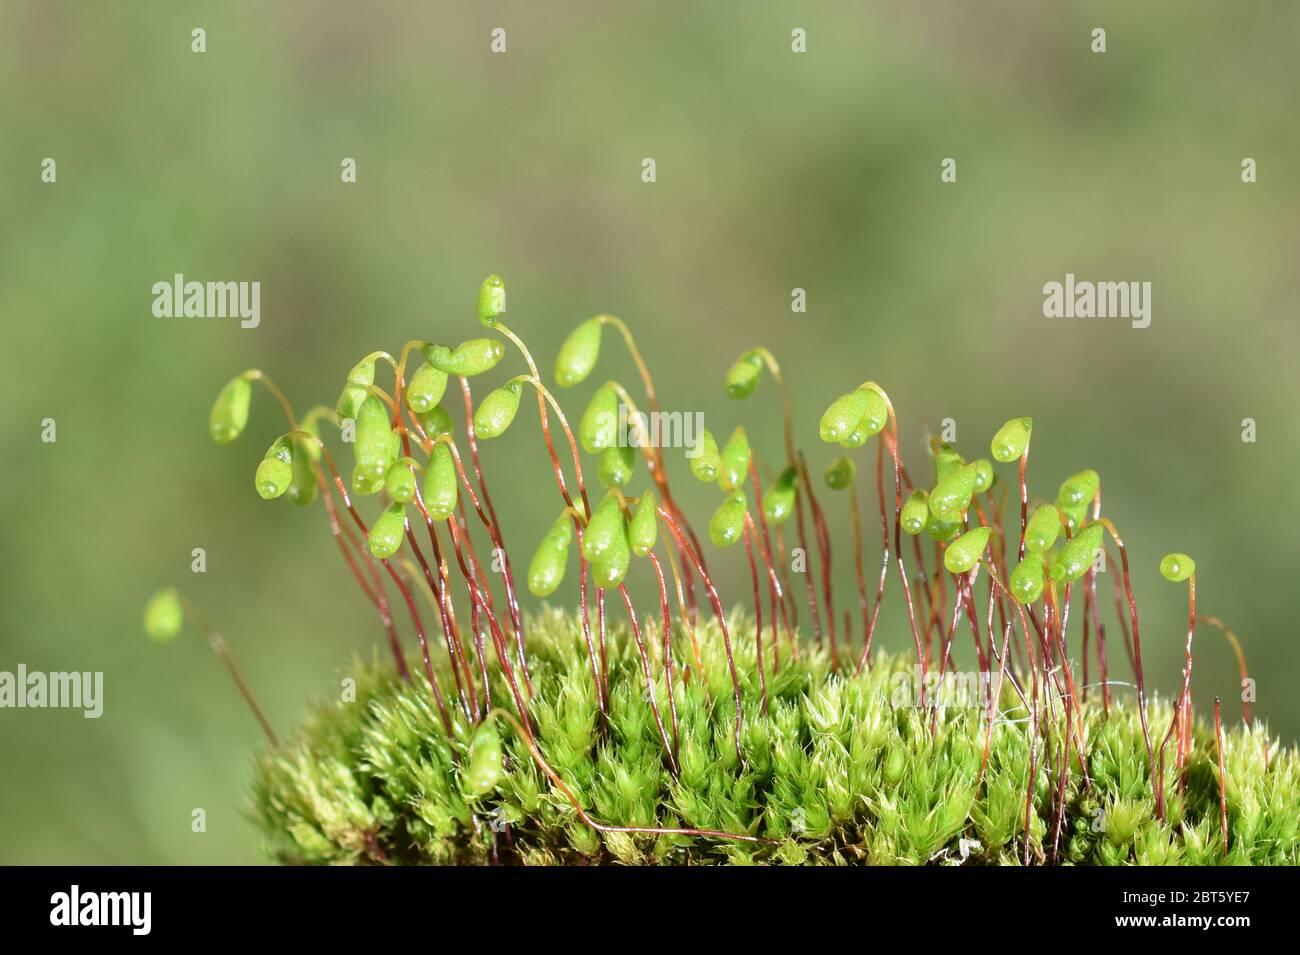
[(775, 171)]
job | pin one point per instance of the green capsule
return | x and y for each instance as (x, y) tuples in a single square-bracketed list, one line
[(400, 481), (728, 521), (1027, 579), (579, 353), (946, 462), (707, 462), (1077, 554), (983, 475), (779, 501), (965, 552), (275, 473), (643, 530), (616, 466), (1042, 529), (302, 488), (388, 531), (742, 377), (467, 359), (862, 410), (229, 414), (840, 474), (435, 421), (877, 413), (598, 428), (609, 569), (365, 483), (943, 529), (856, 439), (916, 512), (491, 301), (374, 438), (952, 495), (273, 478), (497, 410), (735, 461), (1011, 440), (485, 769), (605, 529), (164, 615), (546, 570), (842, 416), (426, 389), (439, 489), (1177, 567), (360, 378), (1079, 488), (1074, 514)]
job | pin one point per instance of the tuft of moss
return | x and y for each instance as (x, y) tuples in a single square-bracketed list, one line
[(835, 772)]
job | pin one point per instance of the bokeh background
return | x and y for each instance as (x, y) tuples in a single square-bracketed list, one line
[(775, 171)]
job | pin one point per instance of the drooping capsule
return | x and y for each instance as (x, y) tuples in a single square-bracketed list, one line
[(839, 474), (579, 353), (399, 482), (388, 531), (426, 389), (779, 500), (550, 560), (365, 483), (643, 530), (1074, 514), (952, 495), (164, 615), (275, 472), (983, 474), (484, 769), (491, 301), (229, 415), (374, 438), (1079, 489), (467, 359), (609, 570), (440, 489), (735, 461), (964, 553), (360, 378), (605, 529), (303, 486), (616, 465), (598, 427), (1042, 529), (743, 375), (916, 512), (1011, 440), (861, 410), (704, 460), (943, 529), (1177, 567), (946, 461), (728, 522), (1077, 554), (1026, 583), (841, 417), (496, 412), (435, 421)]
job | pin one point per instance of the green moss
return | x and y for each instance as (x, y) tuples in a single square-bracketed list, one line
[(835, 772)]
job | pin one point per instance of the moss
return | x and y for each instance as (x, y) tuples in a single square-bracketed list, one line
[(834, 772)]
